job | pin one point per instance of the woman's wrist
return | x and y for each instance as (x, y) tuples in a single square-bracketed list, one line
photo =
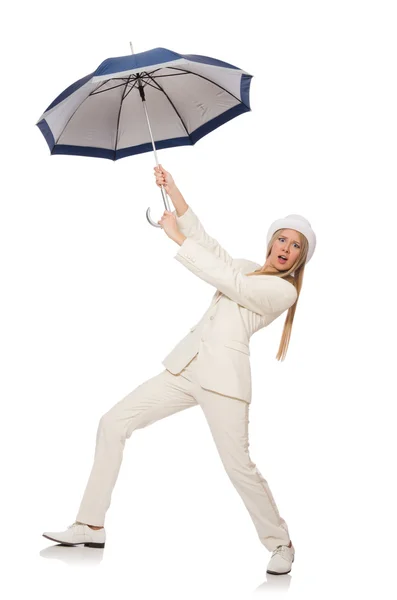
[(172, 189), (178, 200), (179, 239)]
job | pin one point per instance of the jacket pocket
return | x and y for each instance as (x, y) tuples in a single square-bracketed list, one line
[(236, 345)]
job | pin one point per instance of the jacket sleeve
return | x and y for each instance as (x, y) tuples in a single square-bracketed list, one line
[(263, 294), (190, 225)]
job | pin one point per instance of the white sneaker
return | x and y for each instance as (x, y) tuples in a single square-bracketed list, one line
[(78, 533), (281, 560)]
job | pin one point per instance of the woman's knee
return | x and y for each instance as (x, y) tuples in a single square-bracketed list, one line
[(133, 411), (123, 417), (110, 424)]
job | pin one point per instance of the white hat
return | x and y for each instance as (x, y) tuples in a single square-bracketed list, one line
[(298, 223)]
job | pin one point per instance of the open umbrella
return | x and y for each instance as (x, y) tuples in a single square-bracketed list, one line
[(106, 113)]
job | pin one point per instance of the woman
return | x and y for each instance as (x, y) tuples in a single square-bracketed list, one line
[(210, 366)]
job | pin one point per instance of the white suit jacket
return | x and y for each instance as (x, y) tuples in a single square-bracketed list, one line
[(240, 307)]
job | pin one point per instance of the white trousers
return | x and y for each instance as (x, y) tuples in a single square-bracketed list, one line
[(166, 394)]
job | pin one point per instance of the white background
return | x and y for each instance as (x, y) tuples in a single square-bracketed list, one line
[(92, 301)]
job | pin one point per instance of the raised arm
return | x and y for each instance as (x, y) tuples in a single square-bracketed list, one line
[(263, 294), (190, 225), (188, 222)]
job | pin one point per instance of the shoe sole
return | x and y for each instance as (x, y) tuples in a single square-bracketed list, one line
[(88, 544), (276, 573)]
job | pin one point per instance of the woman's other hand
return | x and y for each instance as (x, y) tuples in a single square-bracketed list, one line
[(163, 178), (168, 223)]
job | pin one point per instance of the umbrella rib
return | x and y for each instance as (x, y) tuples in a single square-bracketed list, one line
[(169, 75), (159, 69), (108, 89), (207, 79), (170, 101), (185, 72), (128, 80), (100, 85), (118, 118)]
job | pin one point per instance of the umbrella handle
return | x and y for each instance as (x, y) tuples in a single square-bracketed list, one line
[(166, 204)]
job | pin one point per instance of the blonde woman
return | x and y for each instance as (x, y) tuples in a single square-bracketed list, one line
[(210, 367)]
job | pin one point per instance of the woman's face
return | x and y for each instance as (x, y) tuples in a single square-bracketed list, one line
[(287, 245)]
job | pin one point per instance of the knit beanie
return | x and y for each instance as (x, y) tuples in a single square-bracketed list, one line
[(298, 223)]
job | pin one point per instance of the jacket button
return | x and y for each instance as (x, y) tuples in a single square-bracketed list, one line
[(202, 339), (211, 318)]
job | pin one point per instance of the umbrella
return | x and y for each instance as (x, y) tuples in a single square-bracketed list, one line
[(106, 113)]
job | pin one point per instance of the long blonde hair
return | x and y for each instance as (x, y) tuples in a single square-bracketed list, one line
[(298, 269)]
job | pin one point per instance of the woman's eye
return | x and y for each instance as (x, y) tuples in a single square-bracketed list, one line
[(281, 239)]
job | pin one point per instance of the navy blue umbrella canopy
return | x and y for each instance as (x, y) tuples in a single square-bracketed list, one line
[(106, 113)]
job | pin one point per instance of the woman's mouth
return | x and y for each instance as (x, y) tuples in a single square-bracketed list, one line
[(282, 259)]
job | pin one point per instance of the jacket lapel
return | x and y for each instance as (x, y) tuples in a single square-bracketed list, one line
[(217, 297)]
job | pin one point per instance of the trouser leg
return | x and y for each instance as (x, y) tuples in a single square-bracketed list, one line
[(156, 398), (228, 420)]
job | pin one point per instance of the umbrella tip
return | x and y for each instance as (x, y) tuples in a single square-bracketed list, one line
[(132, 50)]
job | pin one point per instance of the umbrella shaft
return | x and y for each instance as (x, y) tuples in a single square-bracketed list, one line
[(150, 131), (165, 199)]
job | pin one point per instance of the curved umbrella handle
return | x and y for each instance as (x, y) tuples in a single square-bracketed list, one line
[(150, 220), (166, 204)]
